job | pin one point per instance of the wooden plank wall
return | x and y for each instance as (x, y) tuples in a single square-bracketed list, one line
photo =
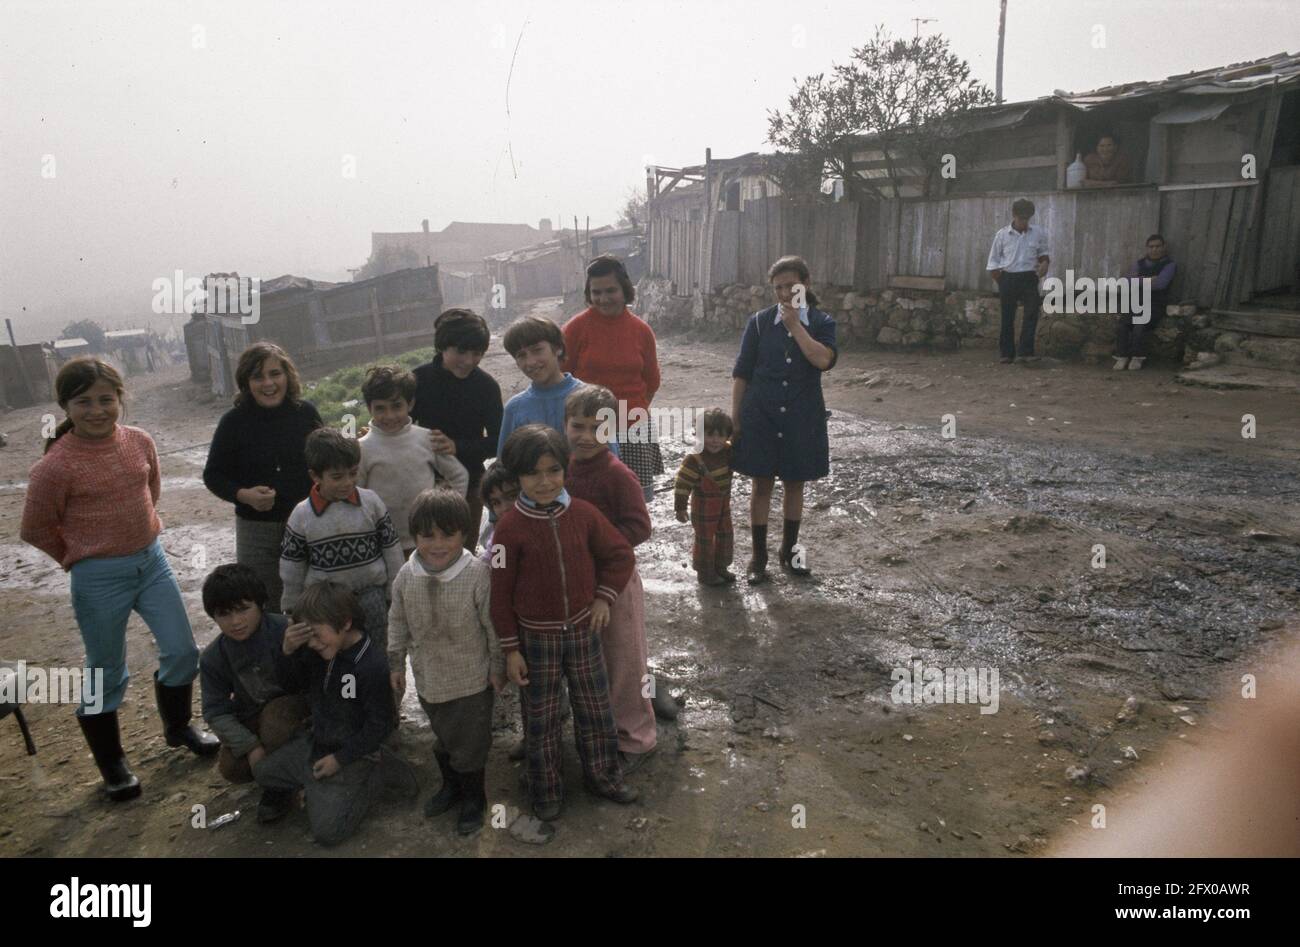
[(1195, 225), (1110, 231), (746, 242), (1275, 267), (1094, 233), (677, 241)]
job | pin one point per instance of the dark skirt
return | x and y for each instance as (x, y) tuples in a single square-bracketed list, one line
[(644, 460)]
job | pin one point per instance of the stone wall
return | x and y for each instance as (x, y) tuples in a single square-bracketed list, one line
[(924, 320)]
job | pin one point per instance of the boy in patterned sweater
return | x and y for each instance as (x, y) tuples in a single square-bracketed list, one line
[(704, 481), (341, 533)]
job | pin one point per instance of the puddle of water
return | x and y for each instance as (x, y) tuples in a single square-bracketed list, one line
[(168, 483), (193, 551)]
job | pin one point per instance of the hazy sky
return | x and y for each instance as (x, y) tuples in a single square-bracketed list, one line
[(215, 136)]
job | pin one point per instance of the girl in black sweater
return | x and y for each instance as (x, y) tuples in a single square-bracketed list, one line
[(256, 458)]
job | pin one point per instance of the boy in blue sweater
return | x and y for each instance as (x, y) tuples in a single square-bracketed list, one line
[(337, 764), (537, 346)]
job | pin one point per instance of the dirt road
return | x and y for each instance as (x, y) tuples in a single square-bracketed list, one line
[(971, 551)]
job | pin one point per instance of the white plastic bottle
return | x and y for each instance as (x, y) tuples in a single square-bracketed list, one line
[(1076, 172)]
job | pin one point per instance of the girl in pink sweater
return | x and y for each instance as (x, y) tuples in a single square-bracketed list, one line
[(91, 506)]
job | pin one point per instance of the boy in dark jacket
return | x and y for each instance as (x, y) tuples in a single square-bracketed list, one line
[(243, 703), (346, 677)]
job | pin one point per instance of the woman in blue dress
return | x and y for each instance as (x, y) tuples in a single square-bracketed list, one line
[(778, 410)]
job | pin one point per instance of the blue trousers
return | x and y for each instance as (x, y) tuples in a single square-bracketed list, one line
[(104, 593)]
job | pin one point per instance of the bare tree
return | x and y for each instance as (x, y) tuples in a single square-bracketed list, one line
[(909, 93), (633, 212)]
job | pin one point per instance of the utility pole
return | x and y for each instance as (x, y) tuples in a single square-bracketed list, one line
[(918, 20), (1002, 38)]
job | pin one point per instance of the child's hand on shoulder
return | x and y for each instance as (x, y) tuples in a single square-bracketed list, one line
[(599, 615), (325, 767), (517, 669), (295, 636), (683, 516), (398, 680)]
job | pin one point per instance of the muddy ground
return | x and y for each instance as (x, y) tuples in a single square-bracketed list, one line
[(971, 551)]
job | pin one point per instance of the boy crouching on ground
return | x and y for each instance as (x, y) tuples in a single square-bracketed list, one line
[(346, 676), (243, 703)]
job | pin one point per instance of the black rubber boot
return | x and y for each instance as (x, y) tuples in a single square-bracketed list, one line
[(662, 702), (450, 793), (756, 571), (473, 803), (105, 740), (789, 538), (174, 708)]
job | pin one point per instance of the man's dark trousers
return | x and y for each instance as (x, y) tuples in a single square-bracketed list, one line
[(1014, 288)]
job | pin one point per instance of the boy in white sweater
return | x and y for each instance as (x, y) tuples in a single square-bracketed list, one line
[(441, 615), (397, 456), (341, 533)]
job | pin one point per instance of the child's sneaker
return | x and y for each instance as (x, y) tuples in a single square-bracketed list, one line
[(1120, 364), (1135, 363)]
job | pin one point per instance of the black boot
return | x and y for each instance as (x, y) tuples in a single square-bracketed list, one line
[(450, 793), (662, 702), (105, 740), (174, 708), (473, 803), (274, 805), (789, 537), (756, 571)]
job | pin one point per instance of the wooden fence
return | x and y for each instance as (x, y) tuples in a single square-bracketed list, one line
[(1095, 233), (327, 328)]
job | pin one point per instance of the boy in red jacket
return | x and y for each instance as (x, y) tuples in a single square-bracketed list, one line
[(562, 567), (600, 478)]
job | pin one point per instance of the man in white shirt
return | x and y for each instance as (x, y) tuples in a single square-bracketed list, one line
[(1018, 259)]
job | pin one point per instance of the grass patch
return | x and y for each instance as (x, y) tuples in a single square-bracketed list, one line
[(338, 394)]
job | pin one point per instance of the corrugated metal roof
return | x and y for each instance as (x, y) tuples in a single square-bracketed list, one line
[(1233, 78), (1188, 112), (69, 343)]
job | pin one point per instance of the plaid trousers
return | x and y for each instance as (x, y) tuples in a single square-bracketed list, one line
[(574, 654), (714, 545)]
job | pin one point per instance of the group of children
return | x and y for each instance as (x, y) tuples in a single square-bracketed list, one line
[(378, 567)]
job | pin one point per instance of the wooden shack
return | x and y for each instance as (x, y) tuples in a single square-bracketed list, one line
[(26, 375), (326, 325), (132, 349), (65, 349), (1216, 169)]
